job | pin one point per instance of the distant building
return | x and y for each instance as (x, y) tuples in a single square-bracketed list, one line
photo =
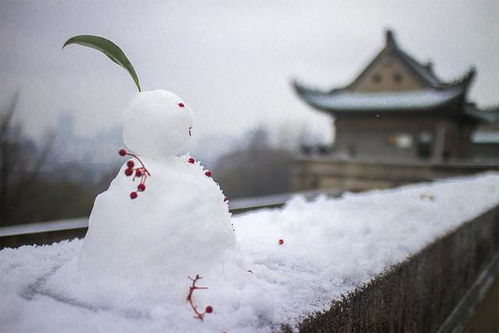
[(396, 112)]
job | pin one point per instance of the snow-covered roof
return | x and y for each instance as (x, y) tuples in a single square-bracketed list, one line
[(485, 137), (434, 93), (344, 100)]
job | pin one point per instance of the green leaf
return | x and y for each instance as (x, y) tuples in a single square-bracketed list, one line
[(109, 49)]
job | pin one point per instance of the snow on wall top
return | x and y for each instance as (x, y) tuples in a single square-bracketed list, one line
[(330, 247)]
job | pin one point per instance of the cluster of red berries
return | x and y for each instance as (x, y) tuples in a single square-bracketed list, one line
[(137, 172), (192, 287)]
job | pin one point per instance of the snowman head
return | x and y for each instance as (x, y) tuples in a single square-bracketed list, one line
[(157, 123)]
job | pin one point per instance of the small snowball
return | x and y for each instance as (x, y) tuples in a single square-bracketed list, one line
[(155, 125)]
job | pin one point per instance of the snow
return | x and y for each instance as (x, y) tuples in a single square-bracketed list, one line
[(141, 241), (157, 123), (331, 246), (148, 236), (344, 100), (485, 137), (164, 220)]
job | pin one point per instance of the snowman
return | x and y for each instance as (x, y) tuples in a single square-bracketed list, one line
[(162, 219), (145, 235)]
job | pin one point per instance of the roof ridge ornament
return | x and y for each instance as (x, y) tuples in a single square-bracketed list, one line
[(429, 66), (390, 38), (465, 79)]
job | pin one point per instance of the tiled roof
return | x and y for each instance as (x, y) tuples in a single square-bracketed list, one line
[(436, 92), (342, 100), (424, 72)]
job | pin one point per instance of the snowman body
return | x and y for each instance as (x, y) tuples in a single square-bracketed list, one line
[(179, 226)]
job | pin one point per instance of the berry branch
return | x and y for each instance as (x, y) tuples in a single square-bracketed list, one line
[(139, 172), (192, 287)]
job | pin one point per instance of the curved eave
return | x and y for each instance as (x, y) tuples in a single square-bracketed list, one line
[(344, 101), (483, 116)]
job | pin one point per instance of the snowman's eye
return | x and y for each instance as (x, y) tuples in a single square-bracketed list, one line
[(181, 105)]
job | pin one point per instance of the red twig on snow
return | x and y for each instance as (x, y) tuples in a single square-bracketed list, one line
[(192, 287)]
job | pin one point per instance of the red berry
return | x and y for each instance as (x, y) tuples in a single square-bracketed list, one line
[(191, 160), (281, 241), (181, 105), (141, 187), (208, 173), (208, 309), (133, 195), (128, 172), (122, 152), (138, 173), (130, 164)]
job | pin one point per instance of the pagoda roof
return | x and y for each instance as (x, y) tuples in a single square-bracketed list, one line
[(424, 72), (345, 100), (433, 94)]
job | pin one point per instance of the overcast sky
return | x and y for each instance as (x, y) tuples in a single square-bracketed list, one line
[(232, 61)]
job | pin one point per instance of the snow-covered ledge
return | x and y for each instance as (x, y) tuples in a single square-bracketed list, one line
[(404, 258), (434, 290)]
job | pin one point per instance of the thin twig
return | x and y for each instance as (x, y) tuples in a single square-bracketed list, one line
[(193, 287)]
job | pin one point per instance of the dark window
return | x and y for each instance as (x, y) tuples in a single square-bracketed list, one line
[(425, 145), (306, 149), (397, 77), (352, 150), (377, 78)]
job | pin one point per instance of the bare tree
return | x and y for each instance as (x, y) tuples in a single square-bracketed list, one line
[(20, 162), (5, 124), (256, 169)]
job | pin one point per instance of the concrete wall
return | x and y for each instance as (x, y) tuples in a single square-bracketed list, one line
[(419, 294), (325, 173)]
